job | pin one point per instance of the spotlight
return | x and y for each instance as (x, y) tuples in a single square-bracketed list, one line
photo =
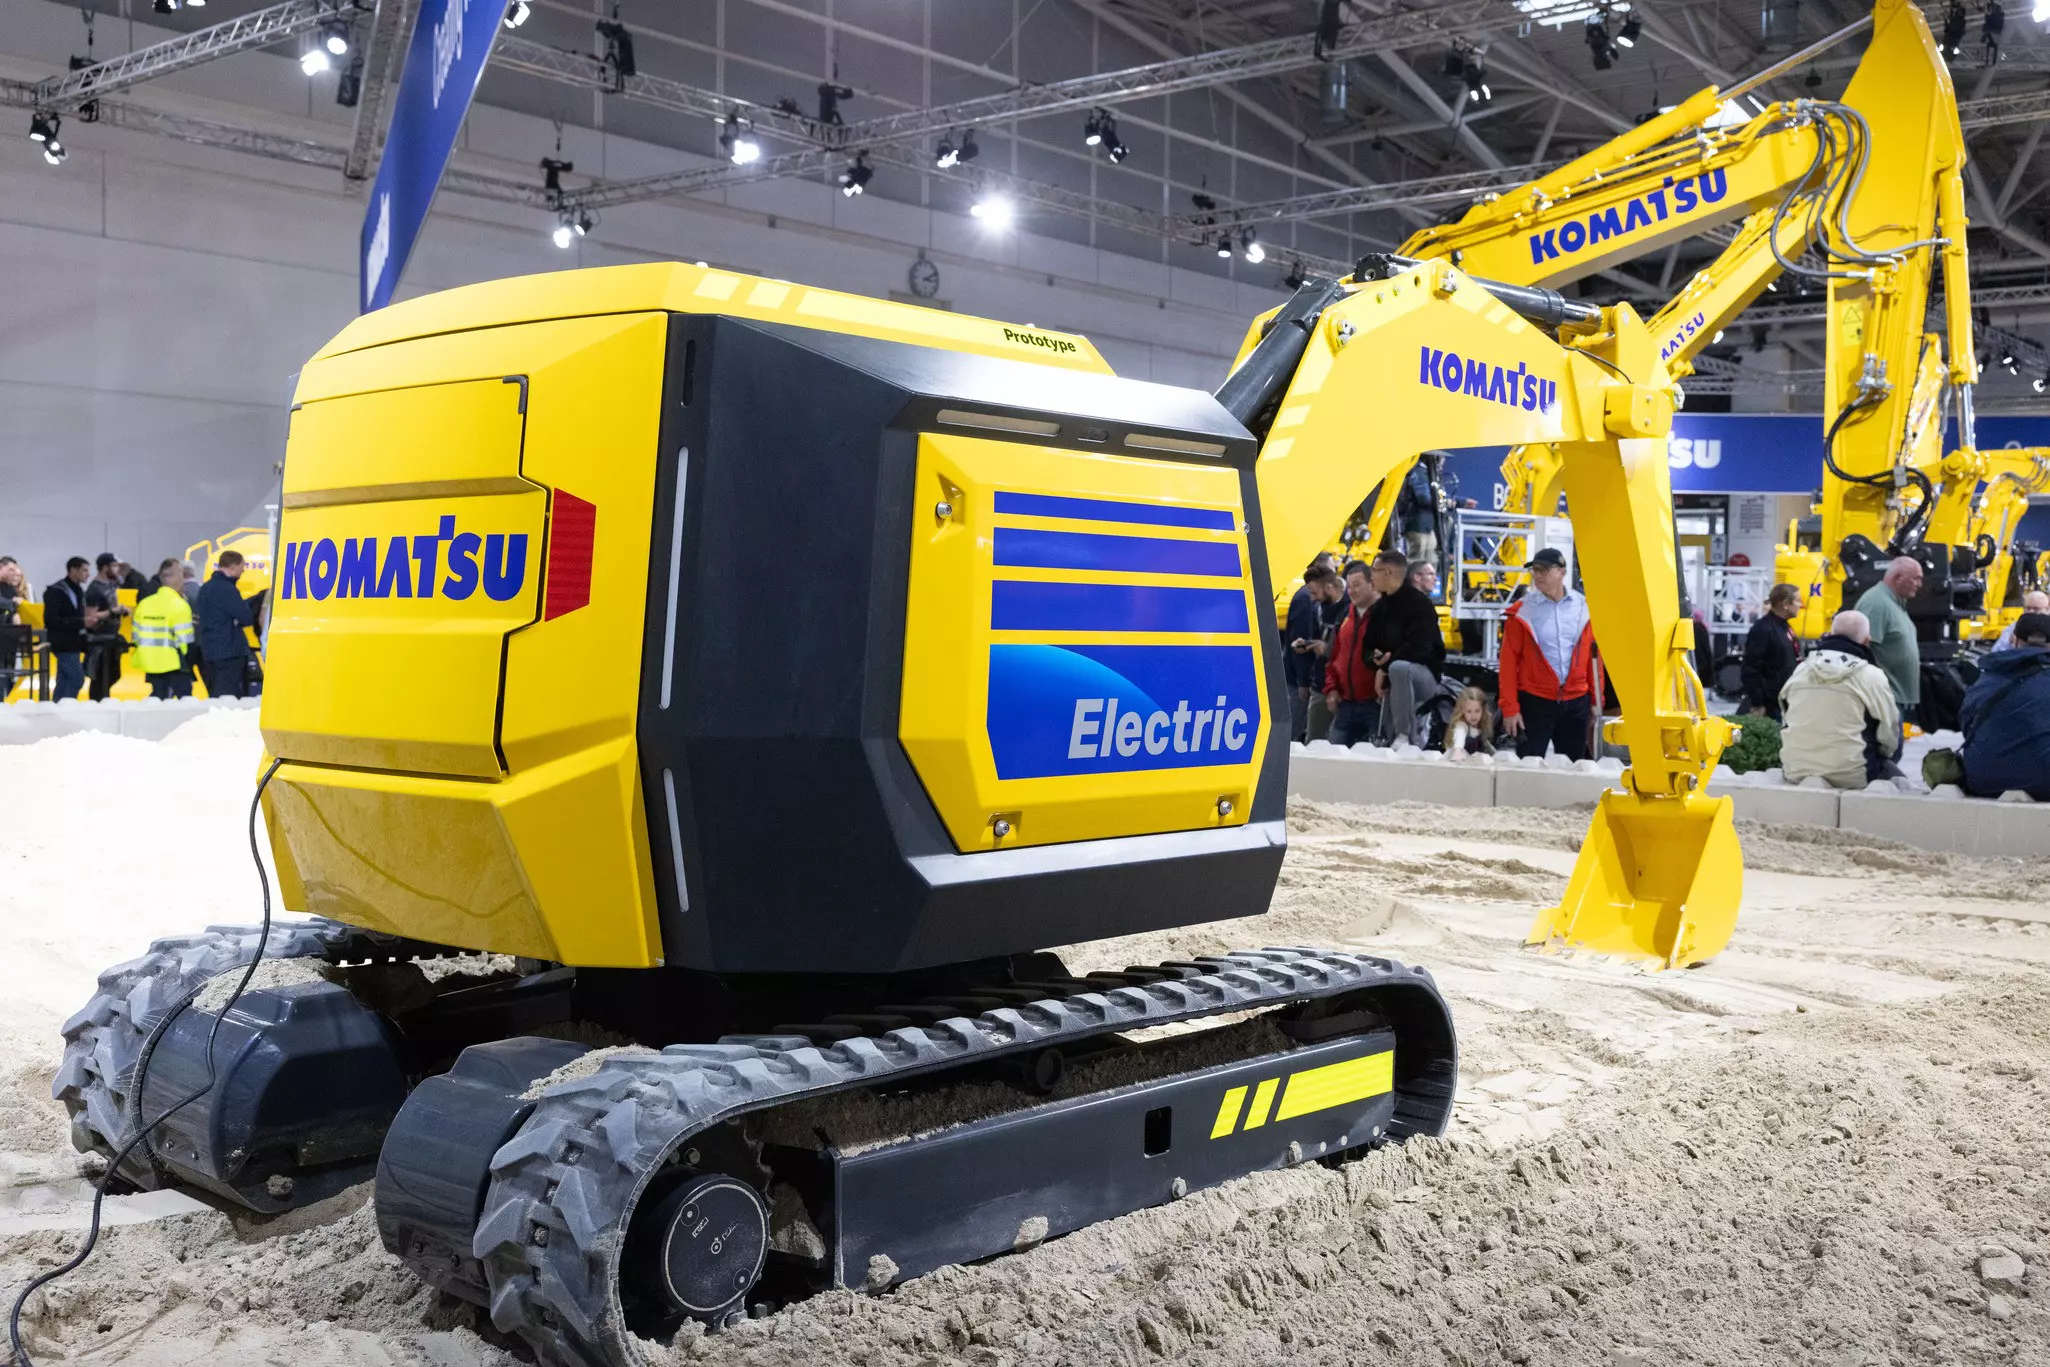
[(1990, 28), (1626, 36), (349, 85), (1717, 338), (1092, 130), (1224, 247), (53, 152), (1295, 279), (1203, 202), (947, 155), (993, 209), (1102, 131), (854, 180), (517, 13), (830, 96), (583, 223), (619, 49), (737, 141), (969, 151), (165, 6), (1250, 248), (1955, 21), (1475, 75), (43, 127), (564, 235), (1117, 151), (2041, 382), (1598, 45), (335, 38), (1455, 62), (315, 60)]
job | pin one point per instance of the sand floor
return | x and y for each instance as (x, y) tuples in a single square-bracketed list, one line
[(1830, 1146)]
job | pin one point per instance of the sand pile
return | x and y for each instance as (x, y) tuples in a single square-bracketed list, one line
[(1828, 1146)]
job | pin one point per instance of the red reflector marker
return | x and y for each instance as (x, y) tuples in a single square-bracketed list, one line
[(572, 528)]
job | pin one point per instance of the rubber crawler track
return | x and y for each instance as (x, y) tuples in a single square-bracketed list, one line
[(106, 1041), (563, 1187)]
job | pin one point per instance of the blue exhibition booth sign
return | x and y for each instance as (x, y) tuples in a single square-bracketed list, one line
[(451, 42), (1737, 453)]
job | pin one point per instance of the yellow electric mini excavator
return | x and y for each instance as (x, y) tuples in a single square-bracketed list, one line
[(538, 689)]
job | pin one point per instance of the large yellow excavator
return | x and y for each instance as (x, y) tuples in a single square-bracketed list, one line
[(1869, 190), (1026, 700)]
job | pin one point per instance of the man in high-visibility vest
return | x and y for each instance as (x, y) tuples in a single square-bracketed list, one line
[(163, 635)]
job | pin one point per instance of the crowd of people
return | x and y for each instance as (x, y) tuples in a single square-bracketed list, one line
[(1366, 662), (1844, 701), (179, 628)]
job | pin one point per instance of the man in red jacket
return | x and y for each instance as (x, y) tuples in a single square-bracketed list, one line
[(1551, 684), (1349, 689)]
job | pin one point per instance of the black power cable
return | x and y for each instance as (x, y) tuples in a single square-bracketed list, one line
[(92, 1238)]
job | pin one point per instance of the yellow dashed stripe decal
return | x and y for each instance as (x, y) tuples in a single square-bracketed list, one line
[(1263, 1101), (1312, 1090), (1228, 1113)]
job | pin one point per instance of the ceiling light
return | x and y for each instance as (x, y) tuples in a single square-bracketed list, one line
[(165, 6), (993, 209), (1626, 36), (1117, 151), (619, 49), (1598, 45), (2041, 382), (1224, 247), (42, 127), (1295, 279), (969, 151), (335, 38), (737, 141), (1250, 248), (1475, 74), (315, 60), (1955, 21), (1092, 130), (563, 235), (1454, 63), (517, 13), (54, 153), (947, 155), (854, 180)]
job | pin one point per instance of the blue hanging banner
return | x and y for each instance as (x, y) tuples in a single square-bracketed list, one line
[(451, 42)]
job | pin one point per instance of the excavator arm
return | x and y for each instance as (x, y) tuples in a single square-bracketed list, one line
[(1349, 379)]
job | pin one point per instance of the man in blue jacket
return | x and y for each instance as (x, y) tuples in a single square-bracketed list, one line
[(2006, 716), (223, 613)]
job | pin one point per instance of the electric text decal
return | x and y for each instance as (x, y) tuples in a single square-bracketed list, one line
[(1689, 193), (1518, 387), (408, 566), (1089, 706)]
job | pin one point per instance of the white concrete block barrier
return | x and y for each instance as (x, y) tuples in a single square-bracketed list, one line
[(23, 723), (1944, 820)]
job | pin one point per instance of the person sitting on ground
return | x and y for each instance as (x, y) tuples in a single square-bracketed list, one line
[(1349, 690), (1551, 682), (1407, 650), (1303, 637), (1472, 731), (163, 635), (2035, 600), (2006, 716), (1771, 651), (1842, 723), (1895, 646)]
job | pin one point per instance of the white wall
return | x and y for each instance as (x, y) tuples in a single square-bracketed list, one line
[(159, 297)]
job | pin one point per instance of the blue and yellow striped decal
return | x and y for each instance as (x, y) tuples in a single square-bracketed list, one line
[(1121, 637)]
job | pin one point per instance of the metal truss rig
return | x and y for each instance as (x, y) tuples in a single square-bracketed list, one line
[(62, 94)]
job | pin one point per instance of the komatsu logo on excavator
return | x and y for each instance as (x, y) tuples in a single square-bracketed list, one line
[(1689, 193), (1518, 386), (404, 566), (1679, 339)]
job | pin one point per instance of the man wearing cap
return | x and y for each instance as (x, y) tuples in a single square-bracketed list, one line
[(2006, 716), (1551, 683)]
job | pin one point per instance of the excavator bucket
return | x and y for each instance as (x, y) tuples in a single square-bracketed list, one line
[(1658, 878)]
